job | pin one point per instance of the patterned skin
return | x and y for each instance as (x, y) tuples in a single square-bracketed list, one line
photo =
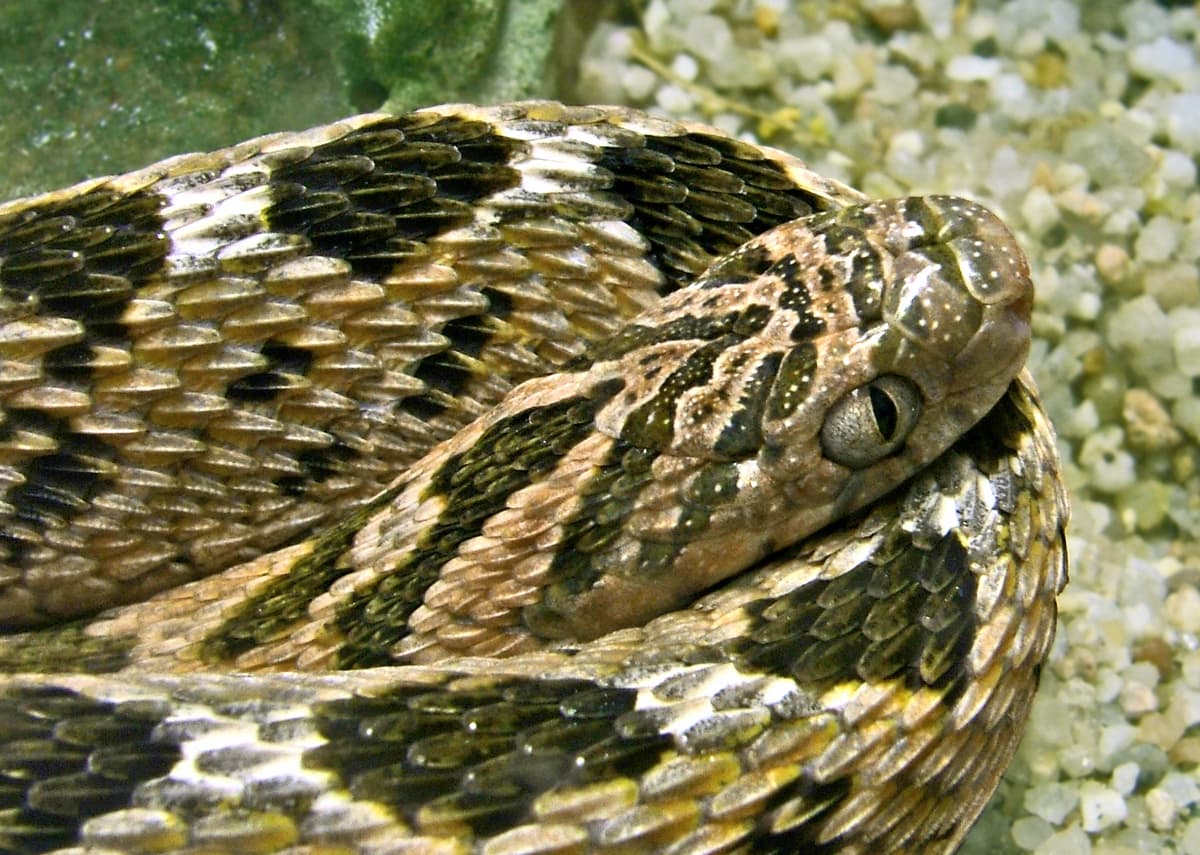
[(769, 565)]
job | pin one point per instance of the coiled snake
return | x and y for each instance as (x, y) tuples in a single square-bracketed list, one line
[(666, 495)]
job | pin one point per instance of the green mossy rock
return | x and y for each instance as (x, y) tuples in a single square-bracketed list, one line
[(102, 86)]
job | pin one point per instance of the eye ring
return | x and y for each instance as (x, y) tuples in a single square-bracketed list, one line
[(871, 422)]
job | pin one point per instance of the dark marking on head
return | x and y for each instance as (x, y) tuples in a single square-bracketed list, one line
[(741, 265), (793, 381), (866, 282), (742, 434), (652, 424), (634, 336), (752, 319), (916, 210), (796, 297)]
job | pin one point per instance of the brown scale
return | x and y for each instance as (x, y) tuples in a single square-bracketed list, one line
[(859, 692), (199, 360)]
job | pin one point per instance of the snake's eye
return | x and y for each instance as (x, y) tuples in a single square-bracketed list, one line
[(871, 422)]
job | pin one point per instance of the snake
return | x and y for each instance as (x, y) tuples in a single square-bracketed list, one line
[(516, 479)]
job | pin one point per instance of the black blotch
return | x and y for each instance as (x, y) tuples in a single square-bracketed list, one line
[(500, 305), (66, 758), (651, 424), (818, 802), (689, 227), (72, 362), (468, 334), (284, 602), (906, 613), (605, 501), (479, 757), (263, 386), (704, 327), (444, 372), (57, 486), (421, 407), (319, 465), (372, 196), (83, 257)]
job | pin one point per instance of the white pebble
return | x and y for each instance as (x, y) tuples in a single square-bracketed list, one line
[(685, 66), (1182, 787), (1174, 285), (1177, 169), (1185, 413), (1039, 210), (1157, 240), (1110, 467), (1116, 737), (1186, 344), (638, 82), (1183, 120), (848, 78), (1008, 172), (1030, 832), (808, 57), (675, 100), (1060, 19), (1011, 95), (1191, 837), (1161, 809), (1108, 685), (1051, 802), (1137, 699), (1072, 841), (1100, 807), (967, 68), (710, 37), (1080, 421), (894, 84), (1163, 57), (1078, 761), (1135, 321), (1124, 778)]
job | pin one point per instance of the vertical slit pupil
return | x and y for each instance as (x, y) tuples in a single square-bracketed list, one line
[(884, 409)]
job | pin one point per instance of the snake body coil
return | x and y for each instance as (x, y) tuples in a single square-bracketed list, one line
[(701, 502)]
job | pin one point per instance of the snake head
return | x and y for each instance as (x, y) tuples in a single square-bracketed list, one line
[(804, 375)]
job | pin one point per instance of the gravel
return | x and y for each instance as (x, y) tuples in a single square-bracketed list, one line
[(1080, 124)]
